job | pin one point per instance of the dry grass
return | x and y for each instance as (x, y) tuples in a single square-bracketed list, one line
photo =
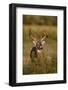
[(50, 50)]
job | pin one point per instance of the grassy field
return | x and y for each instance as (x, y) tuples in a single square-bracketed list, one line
[(50, 50)]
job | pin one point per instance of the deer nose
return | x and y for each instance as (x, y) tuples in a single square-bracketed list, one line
[(41, 47)]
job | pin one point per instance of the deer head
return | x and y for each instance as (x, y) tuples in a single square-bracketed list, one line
[(38, 43)]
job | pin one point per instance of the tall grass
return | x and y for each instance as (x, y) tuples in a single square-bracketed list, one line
[(50, 50)]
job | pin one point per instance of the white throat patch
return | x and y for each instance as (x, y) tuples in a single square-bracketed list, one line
[(39, 51)]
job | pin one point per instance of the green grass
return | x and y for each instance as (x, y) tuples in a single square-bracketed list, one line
[(50, 50)]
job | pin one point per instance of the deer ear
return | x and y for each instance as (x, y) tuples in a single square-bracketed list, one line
[(34, 43), (43, 42)]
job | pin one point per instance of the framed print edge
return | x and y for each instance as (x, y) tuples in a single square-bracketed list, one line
[(65, 44), (12, 44)]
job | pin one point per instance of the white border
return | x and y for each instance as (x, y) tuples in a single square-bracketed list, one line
[(45, 77)]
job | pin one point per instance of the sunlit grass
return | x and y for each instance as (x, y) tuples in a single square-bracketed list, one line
[(50, 50)]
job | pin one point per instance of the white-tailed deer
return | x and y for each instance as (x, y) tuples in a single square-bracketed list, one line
[(36, 53)]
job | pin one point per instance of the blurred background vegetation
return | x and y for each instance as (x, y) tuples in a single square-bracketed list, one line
[(39, 20)]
